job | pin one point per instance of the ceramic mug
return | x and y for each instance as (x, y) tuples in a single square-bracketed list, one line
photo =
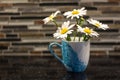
[(75, 55)]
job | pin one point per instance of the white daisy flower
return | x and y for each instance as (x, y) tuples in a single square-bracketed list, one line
[(98, 24), (51, 17), (87, 31), (64, 30), (75, 13)]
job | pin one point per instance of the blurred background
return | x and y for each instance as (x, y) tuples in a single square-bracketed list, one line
[(22, 31), (23, 34)]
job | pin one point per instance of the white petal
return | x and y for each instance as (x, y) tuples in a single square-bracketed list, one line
[(104, 26), (94, 33), (46, 20), (71, 26), (56, 13), (71, 17), (77, 16), (67, 13), (68, 16), (82, 8), (69, 32), (80, 29), (67, 23)]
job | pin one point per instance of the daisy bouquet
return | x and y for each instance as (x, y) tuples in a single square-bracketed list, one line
[(82, 30)]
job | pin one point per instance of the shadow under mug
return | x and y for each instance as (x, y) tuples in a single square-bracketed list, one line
[(75, 55)]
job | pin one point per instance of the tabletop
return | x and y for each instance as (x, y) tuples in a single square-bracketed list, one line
[(99, 68), (48, 68)]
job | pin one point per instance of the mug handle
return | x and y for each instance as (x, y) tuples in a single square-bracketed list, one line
[(52, 51)]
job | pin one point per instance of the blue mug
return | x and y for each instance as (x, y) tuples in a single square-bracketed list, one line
[(75, 55)]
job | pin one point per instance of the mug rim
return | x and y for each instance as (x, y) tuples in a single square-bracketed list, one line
[(76, 41)]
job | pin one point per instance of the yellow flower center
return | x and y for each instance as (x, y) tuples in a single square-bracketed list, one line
[(64, 30), (74, 12), (87, 30), (51, 17), (97, 24)]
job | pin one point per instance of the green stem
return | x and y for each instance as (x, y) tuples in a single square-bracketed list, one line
[(77, 20), (79, 36), (68, 38), (74, 35), (81, 21), (55, 23), (86, 37)]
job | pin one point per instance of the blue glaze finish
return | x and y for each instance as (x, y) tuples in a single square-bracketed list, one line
[(70, 58)]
